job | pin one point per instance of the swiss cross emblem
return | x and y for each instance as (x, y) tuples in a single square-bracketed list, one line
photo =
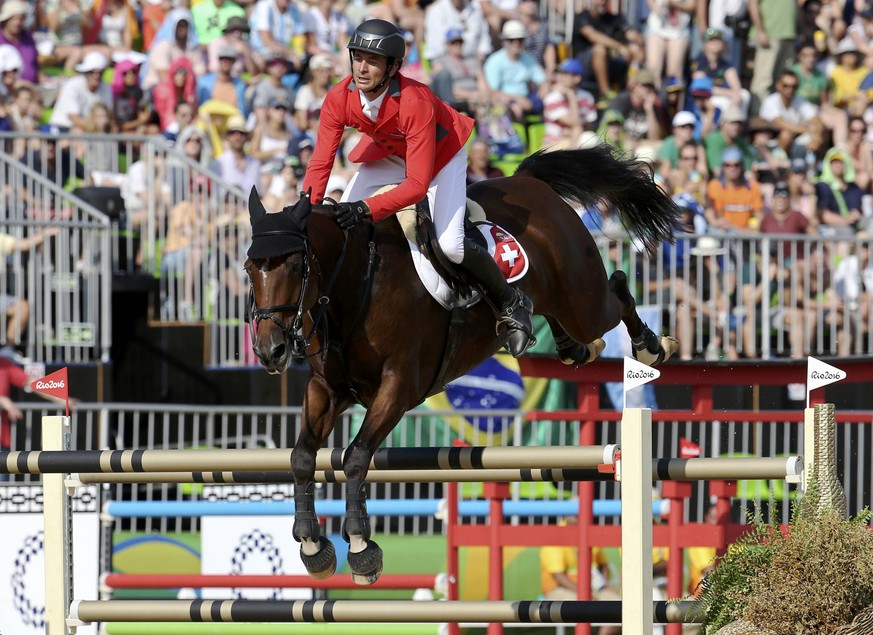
[(508, 254)]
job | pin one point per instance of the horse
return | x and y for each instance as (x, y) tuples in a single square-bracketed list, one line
[(352, 305)]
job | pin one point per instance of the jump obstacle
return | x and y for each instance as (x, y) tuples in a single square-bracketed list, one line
[(635, 469)]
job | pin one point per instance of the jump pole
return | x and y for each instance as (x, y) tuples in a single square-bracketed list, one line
[(57, 532)]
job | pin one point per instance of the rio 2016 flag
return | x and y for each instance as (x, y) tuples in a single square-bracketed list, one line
[(637, 374), (819, 374), (55, 385)]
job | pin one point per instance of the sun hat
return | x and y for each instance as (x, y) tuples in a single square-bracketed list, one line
[(731, 154), (571, 66), (321, 60), (707, 246), (454, 34), (702, 86), (236, 123), (644, 77), (10, 58), (513, 30), (94, 61), (713, 34), (781, 189), (236, 23), (684, 118), (227, 52), (11, 8), (733, 114)]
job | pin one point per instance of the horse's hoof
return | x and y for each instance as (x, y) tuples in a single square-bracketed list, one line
[(582, 354), (321, 564), (366, 565), (667, 346)]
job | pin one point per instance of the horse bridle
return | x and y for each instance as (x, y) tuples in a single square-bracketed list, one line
[(293, 334)]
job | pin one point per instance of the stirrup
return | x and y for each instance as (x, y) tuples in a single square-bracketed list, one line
[(519, 328)]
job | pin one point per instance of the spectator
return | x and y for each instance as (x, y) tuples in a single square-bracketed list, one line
[(443, 15), (178, 87), (730, 17), (726, 87), (68, 20), (12, 375), (813, 84), (113, 21), (861, 33), (12, 32), (667, 31), (235, 166), (59, 165), (407, 14), (458, 80), (211, 18), (601, 41), (78, 94), (769, 161), (774, 33), (310, 96), (10, 68), (270, 140), (674, 96), (839, 199), (642, 112), (131, 107), (669, 154), (479, 166), (284, 188), (538, 41), (733, 202), (275, 24), (153, 14), (183, 182), (800, 128), (16, 310), (175, 39), (222, 85), (327, 30), (414, 66), (729, 135), (860, 153), (846, 78), (568, 110), (611, 129), (271, 88), (708, 116), (234, 36), (688, 179), (513, 76)]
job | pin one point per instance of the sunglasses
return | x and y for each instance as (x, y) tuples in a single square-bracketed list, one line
[(790, 86), (692, 157), (730, 165)]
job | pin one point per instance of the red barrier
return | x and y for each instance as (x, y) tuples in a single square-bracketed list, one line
[(177, 581)]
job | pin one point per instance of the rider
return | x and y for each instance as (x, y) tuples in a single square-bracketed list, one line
[(413, 138)]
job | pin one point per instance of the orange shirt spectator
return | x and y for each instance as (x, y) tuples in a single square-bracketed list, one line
[(732, 201)]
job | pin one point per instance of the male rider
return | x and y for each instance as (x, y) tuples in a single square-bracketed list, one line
[(413, 138)]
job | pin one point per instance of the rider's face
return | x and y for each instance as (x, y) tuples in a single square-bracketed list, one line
[(368, 69)]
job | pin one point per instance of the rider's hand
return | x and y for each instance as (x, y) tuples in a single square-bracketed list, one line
[(349, 214)]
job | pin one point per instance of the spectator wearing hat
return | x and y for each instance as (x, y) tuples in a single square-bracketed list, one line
[(838, 198), (801, 190), (568, 110), (514, 77), (211, 18), (179, 87), (233, 35), (10, 71), (235, 166), (176, 38), (670, 153), (769, 162), (442, 15), (644, 118), (310, 96), (602, 41), (131, 108), (673, 96), (667, 31), (275, 24), (222, 85), (700, 103), (458, 80), (733, 202), (611, 129), (270, 86), (846, 78), (800, 127), (774, 30), (13, 32), (728, 135), (78, 94), (726, 87)]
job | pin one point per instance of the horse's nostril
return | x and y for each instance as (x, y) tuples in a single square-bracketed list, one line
[(278, 352)]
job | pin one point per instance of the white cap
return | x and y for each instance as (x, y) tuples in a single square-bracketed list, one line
[(684, 118), (10, 58), (94, 61), (513, 30)]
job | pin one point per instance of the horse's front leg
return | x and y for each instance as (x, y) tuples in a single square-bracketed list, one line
[(320, 410), (365, 556)]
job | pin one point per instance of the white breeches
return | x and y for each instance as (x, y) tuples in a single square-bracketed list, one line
[(447, 195)]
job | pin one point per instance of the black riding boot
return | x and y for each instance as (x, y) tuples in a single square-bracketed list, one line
[(514, 306)]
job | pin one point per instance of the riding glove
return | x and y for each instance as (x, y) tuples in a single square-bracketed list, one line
[(349, 214)]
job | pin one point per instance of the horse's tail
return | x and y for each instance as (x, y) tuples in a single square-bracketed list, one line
[(591, 175)]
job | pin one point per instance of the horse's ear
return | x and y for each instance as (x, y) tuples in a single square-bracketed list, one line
[(300, 212), (256, 207)]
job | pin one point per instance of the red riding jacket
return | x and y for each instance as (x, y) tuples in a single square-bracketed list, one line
[(413, 124)]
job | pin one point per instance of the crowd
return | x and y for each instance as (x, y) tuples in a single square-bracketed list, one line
[(755, 115)]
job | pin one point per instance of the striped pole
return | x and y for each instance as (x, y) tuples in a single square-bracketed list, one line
[(527, 475), (467, 458), (388, 611)]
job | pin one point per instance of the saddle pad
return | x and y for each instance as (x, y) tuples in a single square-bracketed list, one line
[(506, 250)]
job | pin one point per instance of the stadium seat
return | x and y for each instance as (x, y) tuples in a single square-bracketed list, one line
[(535, 134)]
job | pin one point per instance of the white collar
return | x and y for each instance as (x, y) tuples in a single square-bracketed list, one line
[(371, 106)]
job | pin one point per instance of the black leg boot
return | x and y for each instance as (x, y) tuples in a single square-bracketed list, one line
[(514, 306)]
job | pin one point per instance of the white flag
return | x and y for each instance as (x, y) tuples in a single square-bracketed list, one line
[(636, 374), (820, 374)]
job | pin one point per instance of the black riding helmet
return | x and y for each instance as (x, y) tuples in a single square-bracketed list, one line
[(380, 37)]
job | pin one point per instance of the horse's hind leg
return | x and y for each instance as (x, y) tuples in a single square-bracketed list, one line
[(320, 410), (570, 351), (646, 346)]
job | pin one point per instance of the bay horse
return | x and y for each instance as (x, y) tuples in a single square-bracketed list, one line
[(352, 305)]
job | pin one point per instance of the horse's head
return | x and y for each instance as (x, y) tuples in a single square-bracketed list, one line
[(281, 288)]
